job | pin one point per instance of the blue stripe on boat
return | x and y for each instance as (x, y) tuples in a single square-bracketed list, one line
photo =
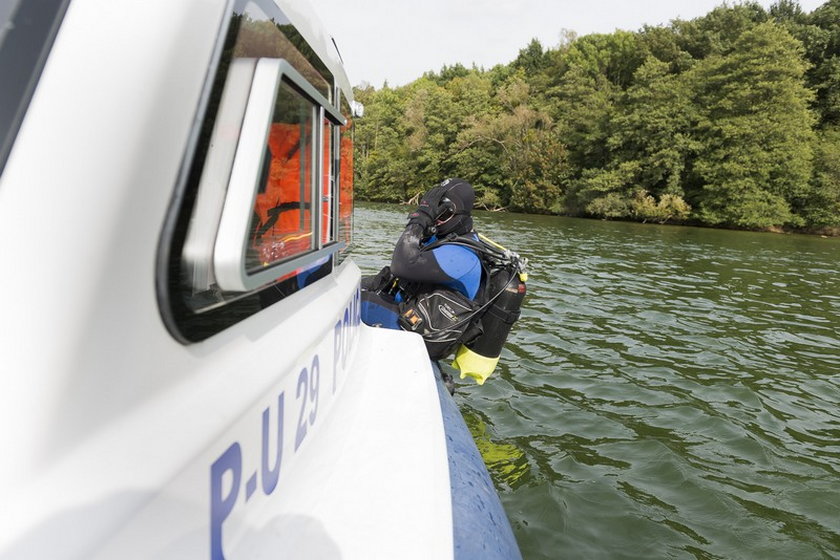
[(481, 529)]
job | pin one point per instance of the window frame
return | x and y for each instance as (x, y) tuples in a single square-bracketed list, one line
[(232, 234), (184, 322)]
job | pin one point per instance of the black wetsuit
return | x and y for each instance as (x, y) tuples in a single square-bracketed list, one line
[(454, 266)]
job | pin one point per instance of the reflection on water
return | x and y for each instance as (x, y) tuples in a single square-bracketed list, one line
[(505, 461), (669, 392)]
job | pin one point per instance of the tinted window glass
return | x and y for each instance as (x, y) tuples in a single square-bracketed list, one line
[(281, 224), (27, 31), (345, 178), (264, 31), (328, 186)]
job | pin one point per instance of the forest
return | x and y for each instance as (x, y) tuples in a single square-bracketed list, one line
[(728, 120)]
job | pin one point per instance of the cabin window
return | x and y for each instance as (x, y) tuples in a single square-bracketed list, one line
[(259, 216), (328, 185), (281, 222)]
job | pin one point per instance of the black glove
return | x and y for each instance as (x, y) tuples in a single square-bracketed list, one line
[(424, 218), (428, 211), (382, 282)]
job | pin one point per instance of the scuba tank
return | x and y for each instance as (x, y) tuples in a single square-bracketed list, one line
[(478, 358), (505, 290)]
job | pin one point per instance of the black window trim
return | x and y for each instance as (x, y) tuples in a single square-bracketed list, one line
[(183, 324), (167, 304)]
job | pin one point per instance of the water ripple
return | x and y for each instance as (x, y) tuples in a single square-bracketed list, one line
[(668, 392)]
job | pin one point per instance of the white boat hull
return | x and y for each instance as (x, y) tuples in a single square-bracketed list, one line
[(297, 430)]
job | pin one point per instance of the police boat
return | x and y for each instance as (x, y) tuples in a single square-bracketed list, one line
[(184, 372)]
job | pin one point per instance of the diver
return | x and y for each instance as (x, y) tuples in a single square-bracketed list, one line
[(460, 291), (445, 209)]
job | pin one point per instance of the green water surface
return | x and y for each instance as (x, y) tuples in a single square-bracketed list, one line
[(669, 392)]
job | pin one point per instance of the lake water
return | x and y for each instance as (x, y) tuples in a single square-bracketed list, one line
[(669, 392)]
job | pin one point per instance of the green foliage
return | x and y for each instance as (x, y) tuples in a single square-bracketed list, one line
[(654, 128), (821, 207), (662, 43), (583, 106), (612, 205), (615, 56), (729, 119), (718, 31), (527, 160), (824, 54), (755, 130), (641, 206), (532, 59), (670, 207)]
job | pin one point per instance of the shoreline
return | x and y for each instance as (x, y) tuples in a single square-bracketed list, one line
[(826, 232)]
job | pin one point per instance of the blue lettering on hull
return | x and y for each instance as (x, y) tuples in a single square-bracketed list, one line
[(226, 472)]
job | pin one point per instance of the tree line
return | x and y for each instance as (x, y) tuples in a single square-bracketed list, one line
[(731, 119)]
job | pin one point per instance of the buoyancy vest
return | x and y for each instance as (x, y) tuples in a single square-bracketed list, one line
[(478, 327)]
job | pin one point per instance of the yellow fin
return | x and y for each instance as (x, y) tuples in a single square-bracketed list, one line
[(474, 365)]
